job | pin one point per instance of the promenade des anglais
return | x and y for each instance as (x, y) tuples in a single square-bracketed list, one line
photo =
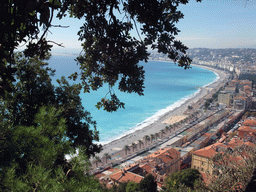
[(128, 95), (221, 117)]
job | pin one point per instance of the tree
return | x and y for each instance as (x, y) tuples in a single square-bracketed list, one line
[(152, 137), (233, 169), (148, 184), (109, 50), (34, 89), (32, 164), (134, 146), (171, 128), (110, 56), (190, 107), (167, 128), (140, 143), (186, 177), (106, 156), (162, 133), (132, 187), (156, 135), (146, 138), (126, 148), (121, 187), (22, 131), (96, 160)]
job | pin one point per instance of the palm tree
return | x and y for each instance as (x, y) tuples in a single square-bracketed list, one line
[(140, 142), (156, 135), (146, 137), (96, 160), (167, 128), (196, 113), (162, 133), (106, 156), (171, 127), (152, 136), (126, 148), (134, 146)]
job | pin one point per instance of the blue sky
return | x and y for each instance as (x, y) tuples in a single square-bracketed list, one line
[(210, 24)]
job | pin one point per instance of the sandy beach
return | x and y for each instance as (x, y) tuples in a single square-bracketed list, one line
[(113, 148)]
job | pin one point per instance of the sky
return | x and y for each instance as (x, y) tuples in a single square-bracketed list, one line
[(209, 24)]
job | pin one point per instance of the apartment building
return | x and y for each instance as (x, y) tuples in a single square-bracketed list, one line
[(225, 98), (164, 160), (202, 158)]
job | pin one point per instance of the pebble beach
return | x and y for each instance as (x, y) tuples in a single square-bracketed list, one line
[(115, 147)]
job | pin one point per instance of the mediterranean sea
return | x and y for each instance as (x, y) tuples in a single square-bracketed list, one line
[(166, 86)]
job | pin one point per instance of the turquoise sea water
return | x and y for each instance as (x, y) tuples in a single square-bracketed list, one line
[(166, 87)]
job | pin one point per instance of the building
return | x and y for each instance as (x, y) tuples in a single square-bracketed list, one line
[(125, 176), (201, 159), (225, 98), (250, 122), (247, 131), (247, 89), (159, 164), (230, 89), (240, 103), (242, 83), (104, 176), (164, 160)]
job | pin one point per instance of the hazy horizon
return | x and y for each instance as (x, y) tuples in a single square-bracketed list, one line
[(213, 24)]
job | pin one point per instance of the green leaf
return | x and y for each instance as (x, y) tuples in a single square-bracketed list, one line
[(55, 3)]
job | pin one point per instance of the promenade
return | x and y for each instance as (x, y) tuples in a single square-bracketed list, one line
[(173, 118)]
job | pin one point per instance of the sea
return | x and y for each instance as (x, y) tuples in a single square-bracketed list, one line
[(167, 86)]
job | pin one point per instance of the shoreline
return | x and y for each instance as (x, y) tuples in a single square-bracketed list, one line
[(170, 108), (115, 147)]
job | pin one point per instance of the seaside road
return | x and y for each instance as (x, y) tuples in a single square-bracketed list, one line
[(161, 142)]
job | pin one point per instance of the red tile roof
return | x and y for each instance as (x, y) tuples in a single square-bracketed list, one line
[(122, 176), (208, 151), (165, 155), (207, 134), (99, 175), (235, 81), (147, 168), (245, 82), (211, 150), (206, 178), (244, 128), (247, 87), (240, 97), (250, 122)]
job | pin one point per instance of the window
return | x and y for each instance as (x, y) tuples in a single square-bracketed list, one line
[(194, 167), (202, 169), (202, 163)]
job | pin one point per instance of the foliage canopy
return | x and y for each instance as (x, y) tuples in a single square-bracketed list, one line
[(41, 123), (110, 52), (186, 177)]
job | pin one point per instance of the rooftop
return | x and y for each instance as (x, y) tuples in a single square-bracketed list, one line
[(240, 98), (211, 150), (123, 176), (165, 155), (250, 122)]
